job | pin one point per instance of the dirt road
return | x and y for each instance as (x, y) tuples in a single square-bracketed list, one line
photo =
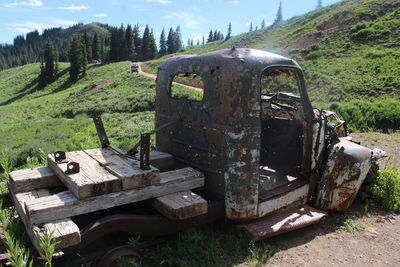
[(363, 241), (150, 75)]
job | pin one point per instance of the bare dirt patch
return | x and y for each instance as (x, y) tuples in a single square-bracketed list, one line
[(334, 243), (95, 87), (388, 142)]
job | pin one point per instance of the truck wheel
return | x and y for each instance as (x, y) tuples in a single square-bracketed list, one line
[(121, 256)]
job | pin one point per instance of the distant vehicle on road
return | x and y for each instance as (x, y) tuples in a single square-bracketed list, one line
[(135, 68)]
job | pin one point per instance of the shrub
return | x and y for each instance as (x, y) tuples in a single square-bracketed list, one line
[(385, 188), (363, 115)]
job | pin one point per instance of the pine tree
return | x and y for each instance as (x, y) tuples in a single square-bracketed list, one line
[(210, 37), (77, 58), (49, 66), (177, 39), (47, 70), (251, 27), (88, 46), (96, 47), (129, 44), (102, 56), (256, 28), (170, 42), (198, 42), (229, 33), (203, 41), (136, 40), (163, 44), (114, 45), (263, 24), (215, 36), (319, 5), (121, 52), (279, 17), (149, 48)]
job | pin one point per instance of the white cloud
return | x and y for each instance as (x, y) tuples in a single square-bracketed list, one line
[(28, 26), (21, 30), (248, 23), (236, 2), (32, 25), (101, 15), (24, 3), (188, 20), (63, 22), (74, 7), (160, 1)]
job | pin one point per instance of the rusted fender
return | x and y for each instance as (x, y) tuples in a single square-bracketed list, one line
[(346, 167)]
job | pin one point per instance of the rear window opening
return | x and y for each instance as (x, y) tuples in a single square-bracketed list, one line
[(187, 86)]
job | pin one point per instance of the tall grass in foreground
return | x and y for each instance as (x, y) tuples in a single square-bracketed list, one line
[(14, 232)]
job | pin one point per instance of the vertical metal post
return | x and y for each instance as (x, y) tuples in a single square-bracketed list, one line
[(145, 151), (101, 132)]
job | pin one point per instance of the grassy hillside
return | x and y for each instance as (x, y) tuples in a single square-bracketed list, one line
[(349, 50), (33, 120)]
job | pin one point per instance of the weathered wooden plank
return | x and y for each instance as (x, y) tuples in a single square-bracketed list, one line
[(65, 204), (33, 178), (127, 169), (92, 179), (65, 231), (181, 205)]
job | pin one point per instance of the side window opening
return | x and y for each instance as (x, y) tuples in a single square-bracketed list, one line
[(185, 85)]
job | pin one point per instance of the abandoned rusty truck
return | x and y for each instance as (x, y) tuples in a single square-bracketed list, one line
[(249, 148)]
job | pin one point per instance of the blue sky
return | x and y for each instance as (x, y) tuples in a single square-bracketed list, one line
[(196, 18)]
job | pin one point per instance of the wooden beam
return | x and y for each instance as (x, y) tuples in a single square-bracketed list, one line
[(91, 180), (65, 204), (125, 168), (65, 230), (181, 205), (34, 178)]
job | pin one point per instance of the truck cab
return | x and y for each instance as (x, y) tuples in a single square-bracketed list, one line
[(254, 134)]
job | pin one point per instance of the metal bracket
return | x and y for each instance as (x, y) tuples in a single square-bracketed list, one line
[(145, 151), (101, 132), (59, 157), (72, 167)]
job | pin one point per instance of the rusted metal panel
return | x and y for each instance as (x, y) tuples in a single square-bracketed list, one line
[(282, 222), (298, 196), (346, 167), (242, 174), (220, 135)]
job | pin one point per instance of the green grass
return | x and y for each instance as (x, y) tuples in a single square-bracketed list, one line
[(210, 246)]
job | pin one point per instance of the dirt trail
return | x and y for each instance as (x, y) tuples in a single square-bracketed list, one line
[(154, 77)]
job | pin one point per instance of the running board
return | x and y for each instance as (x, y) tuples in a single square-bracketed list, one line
[(281, 222)]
